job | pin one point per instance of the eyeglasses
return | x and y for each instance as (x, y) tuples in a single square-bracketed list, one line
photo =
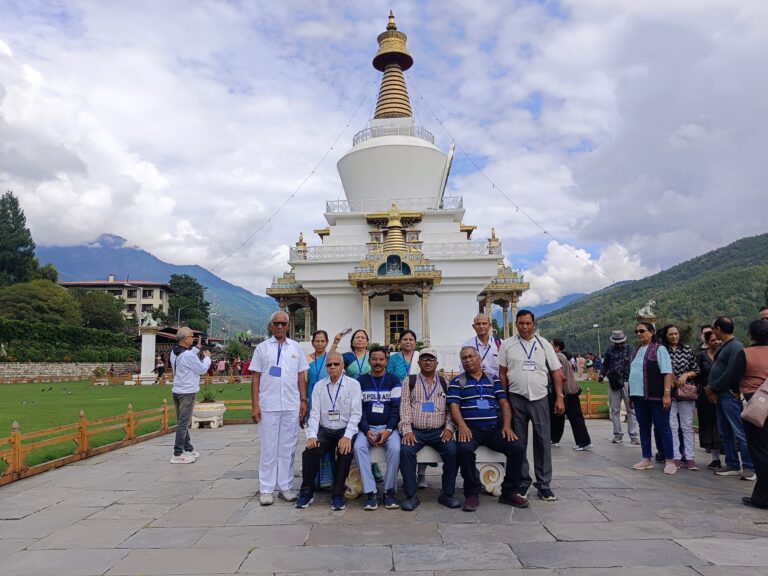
[(279, 323), (330, 364), (427, 359), (640, 331), (468, 358)]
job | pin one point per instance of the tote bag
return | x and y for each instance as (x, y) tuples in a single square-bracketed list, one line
[(756, 411)]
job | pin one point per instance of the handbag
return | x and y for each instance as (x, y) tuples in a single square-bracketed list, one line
[(756, 411), (688, 391)]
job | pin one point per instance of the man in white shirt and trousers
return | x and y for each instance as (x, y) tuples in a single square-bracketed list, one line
[(279, 405)]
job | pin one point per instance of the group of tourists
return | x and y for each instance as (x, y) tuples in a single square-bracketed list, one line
[(365, 398), (663, 383)]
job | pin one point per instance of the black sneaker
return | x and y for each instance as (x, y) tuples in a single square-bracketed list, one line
[(449, 500), (715, 465), (660, 457), (547, 495), (514, 499), (410, 504)]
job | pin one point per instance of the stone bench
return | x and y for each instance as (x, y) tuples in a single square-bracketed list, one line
[(490, 463)]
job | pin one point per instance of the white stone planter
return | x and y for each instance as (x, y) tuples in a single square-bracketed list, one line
[(211, 413)]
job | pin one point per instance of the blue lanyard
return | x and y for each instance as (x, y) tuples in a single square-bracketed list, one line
[(479, 387), (338, 389), (528, 354), (409, 363), (319, 370), (428, 395), (279, 351), (378, 386), (359, 363), (477, 345)]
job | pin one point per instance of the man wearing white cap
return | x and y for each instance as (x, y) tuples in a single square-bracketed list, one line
[(616, 366)]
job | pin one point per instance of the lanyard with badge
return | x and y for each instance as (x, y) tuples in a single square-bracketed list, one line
[(482, 403), (528, 364), (333, 414), (360, 363), (275, 370), (428, 405), (378, 406), (409, 363)]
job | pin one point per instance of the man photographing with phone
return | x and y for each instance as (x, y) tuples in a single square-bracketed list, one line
[(187, 369)]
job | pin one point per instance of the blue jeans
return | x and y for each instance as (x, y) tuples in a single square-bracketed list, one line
[(363, 459), (652, 413), (732, 431), (184, 404), (447, 451)]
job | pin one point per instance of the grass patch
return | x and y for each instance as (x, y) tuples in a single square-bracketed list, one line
[(38, 406)]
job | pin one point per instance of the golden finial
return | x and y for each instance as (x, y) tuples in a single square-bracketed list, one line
[(391, 24), (393, 59), (493, 233), (301, 238), (395, 239)]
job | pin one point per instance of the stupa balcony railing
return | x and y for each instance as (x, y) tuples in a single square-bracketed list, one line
[(379, 131), (362, 252), (456, 249), (369, 205)]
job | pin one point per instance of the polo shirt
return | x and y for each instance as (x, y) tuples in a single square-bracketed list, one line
[(468, 397), (278, 393), (530, 384), (489, 354)]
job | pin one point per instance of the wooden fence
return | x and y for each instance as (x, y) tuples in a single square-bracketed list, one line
[(15, 448)]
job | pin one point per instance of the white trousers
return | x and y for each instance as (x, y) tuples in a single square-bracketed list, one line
[(681, 416), (278, 435)]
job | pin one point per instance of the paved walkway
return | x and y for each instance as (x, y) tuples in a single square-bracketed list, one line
[(131, 512)]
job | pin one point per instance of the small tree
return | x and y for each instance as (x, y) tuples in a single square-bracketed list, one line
[(39, 301), (100, 309), (17, 249)]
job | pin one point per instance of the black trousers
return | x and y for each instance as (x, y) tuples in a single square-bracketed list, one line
[(492, 438), (757, 443), (575, 417), (310, 461)]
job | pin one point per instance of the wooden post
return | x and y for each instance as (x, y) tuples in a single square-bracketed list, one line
[(164, 419), (16, 464), (82, 441), (589, 403), (130, 424)]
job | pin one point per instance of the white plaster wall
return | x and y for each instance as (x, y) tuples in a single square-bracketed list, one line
[(335, 312), (380, 304), (375, 168)]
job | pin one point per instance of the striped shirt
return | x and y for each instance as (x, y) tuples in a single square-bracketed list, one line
[(411, 413), (471, 395)]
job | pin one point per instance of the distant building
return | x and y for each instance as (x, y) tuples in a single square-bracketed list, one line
[(139, 295)]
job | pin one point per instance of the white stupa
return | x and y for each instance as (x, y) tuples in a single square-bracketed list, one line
[(395, 254)]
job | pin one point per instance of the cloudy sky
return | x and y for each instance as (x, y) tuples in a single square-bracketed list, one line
[(633, 132)]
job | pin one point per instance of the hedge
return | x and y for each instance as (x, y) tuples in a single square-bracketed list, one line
[(32, 342)]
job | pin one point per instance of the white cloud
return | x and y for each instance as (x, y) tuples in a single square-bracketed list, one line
[(630, 128)]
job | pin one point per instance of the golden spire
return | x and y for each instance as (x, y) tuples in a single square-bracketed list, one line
[(393, 59), (395, 240)]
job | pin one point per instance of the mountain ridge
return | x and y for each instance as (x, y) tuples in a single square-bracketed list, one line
[(238, 309)]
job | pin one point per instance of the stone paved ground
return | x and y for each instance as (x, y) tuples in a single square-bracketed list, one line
[(130, 512)]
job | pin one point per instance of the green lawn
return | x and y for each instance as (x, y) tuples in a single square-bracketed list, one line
[(41, 406)]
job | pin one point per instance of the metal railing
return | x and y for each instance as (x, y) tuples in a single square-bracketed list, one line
[(378, 131), (451, 249), (360, 252), (367, 205)]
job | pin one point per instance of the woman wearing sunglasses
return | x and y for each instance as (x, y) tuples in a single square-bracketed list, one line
[(650, 392)]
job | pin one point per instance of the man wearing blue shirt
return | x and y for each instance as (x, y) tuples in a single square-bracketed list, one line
[(475, 398), (381, 413)]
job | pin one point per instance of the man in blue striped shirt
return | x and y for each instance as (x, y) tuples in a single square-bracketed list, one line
[(475, 398)]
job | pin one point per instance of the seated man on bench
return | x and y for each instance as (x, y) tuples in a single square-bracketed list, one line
[(475, 397), (424, 421)]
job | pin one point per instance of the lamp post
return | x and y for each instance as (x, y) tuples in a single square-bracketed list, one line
[(210, 323), (599, 351)]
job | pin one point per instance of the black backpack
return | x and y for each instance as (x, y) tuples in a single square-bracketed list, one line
[(412, 383)]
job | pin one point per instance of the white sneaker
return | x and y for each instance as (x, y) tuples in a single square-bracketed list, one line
[(182, 459), (288, 495), (578, 448), (555, 444), (194, 454), (266, 499)]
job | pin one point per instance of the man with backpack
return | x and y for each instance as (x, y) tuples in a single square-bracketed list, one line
[(424, 421), (616, 367)]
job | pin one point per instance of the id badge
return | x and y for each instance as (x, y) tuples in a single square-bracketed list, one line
[(483, 404), (427, 406), (334, 415), (529, 365), (377, 408), (275, 371)]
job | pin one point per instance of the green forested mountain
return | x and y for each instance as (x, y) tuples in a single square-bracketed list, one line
[(732, 280)]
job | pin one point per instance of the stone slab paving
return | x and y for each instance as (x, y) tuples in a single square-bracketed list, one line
[(130, 512)]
